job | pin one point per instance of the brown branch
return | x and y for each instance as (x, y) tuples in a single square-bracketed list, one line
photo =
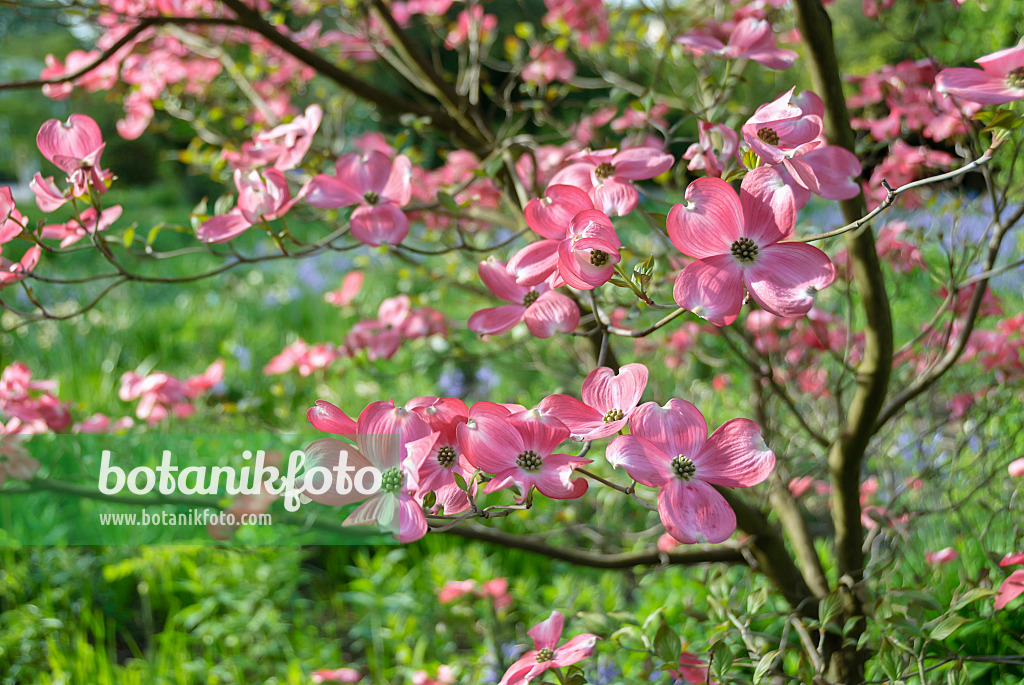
[(729, 554)]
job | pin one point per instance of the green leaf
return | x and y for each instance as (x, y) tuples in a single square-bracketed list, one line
[(947, 627), (224, 204), (447, 201), (129, 236), (750, 159), (972, 596), (667, 644), (829, 608), (721, 660), (765, 665), (735, 175), (654, 622), (615, 280), (630, 638), (153, 233)]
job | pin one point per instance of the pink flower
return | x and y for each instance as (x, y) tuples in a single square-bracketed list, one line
[(454, 589), (1000, 79), (588, 254), (751, 39), (48, 196), (545, 311), (378, 185), (518, 449), (736, 242), (444, 677), (546, 653), (609, 399), (550, 217), (469, 22), (548, 64), (350, 286), (15, 461), (389, 439), (75, 146), (716, 144), (160, 393), (1016, 468), (497, 590), (668, 448), (74, 230), (336, 675), (262, 196), (437, 466), (12, 272), (607, 174), (943, 556), (1012, 559), (691, 669), (12, 222), (1011, 588), (304, 356), (101, 423)]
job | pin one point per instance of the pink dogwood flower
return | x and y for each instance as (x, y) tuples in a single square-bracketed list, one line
[(737, 242), (609, 399), (550, 217), (307, 358), (548, 64), (716, 144), (75, 146), (1012, 559), (12, 222), (49, 197), (283, 147), (1010, 589), (518, 449), (437, 466), (607, 174), (262, 196), (588, 254), (1016, 468), (388, 438), (12, 272), (1000, 79), (751, 39), (15, 461), (668, 448), (692, 669), (335, 675), (943, 556), (546, 652), (160, 393), (444, 676), (87, 223), (350, 286), (545, 311), (378, 185)]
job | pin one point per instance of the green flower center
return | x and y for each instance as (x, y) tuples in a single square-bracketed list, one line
[(529, 461), (1015, 79), (371, 197), (744, 250), (391, 480), (598, 258), (683, 467), (545, 654), (446, 456), (530, 297), (768, 135), (604, 170), (613, 415)]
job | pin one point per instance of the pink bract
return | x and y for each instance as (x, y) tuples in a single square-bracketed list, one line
[(607, 174), (546, 652), (609, 399), (545, 311), (1000, 79)]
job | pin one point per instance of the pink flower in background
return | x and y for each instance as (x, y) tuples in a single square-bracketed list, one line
[(74, 230), (588, 19), (716, 144), (545, 311), (546, 652), (943, 556), (609, 399), (15, 461), (101, 423), (1000, 79), (668, 448), (607, 175), (160, 393), (496, 590), (307, 358), (32, 403), (75, 146), (444, 676), (378, 185), (518, 449), (588, 254), (262, 196), (1016, 468), (468, 22), (336, 675), (751, 39), (282, 147), (1010, 589), (350, 286), (454, 589), (396, 322), (548, 64), (736, 242), (692, 669)]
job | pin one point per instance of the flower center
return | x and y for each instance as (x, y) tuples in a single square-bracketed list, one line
[(604, 170), (529, 461), (545, 654), (683, 467), (598, 258), (446, 456), (371, 197), (530, 297), (1015, 79), (613, 415), (768, 135), (744, 250), (391, 480)]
